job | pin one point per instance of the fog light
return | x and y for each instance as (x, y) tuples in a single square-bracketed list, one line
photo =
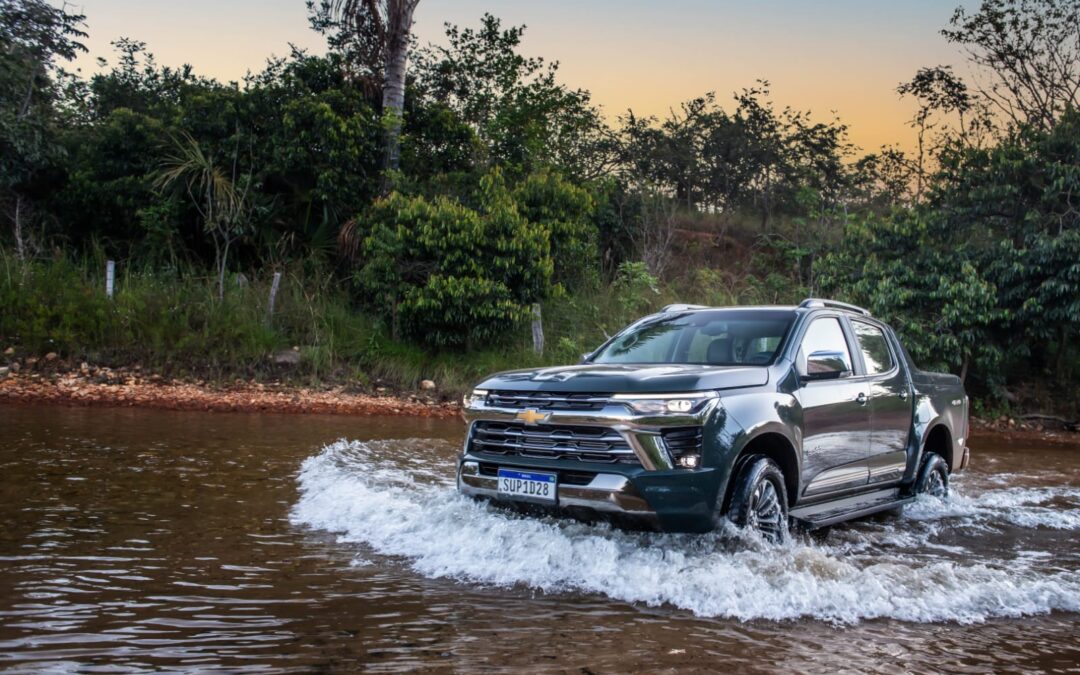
[(689, 461), (680, 405)]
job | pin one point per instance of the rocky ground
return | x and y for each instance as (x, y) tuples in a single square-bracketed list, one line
[(51, 380), (1053, 430)]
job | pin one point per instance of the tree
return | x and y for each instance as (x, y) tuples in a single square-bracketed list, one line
[(880, 181), (449, 275), (564, 210), (1018, 204), (914, 274), (377, 33), (523, 117), (1029, 53), (222, 200), (985, 273), (949, 107), (317, 143), (34, 36)]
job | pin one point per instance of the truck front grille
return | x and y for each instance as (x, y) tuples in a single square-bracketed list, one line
[(550, 441), (543, 400)]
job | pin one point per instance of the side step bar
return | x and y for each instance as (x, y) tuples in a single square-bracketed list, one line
[(829, 513)]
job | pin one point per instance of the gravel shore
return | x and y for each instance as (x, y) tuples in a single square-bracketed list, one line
[(130, 388)]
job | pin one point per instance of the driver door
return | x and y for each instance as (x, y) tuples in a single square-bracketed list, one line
[(836, 418)]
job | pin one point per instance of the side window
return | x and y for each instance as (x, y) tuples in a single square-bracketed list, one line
[(824, 335), (874, 347)]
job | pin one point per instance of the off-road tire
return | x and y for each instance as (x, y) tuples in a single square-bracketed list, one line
[(759, 499), (933, 477)]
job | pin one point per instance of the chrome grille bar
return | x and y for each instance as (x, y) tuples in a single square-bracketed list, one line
[(587, 444), (548, 401)]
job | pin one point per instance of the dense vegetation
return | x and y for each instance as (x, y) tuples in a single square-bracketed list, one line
[(418, 230)]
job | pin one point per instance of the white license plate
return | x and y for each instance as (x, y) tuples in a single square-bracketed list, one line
[(528, 485)]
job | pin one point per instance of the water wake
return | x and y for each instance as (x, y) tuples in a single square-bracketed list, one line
[(397, 500)]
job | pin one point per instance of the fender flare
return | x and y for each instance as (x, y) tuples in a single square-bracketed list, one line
[(748, 436), (935, 422)]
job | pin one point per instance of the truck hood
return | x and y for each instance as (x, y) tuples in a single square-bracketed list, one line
[(628, 379)]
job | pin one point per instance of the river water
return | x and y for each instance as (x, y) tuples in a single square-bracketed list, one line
[(137, 540)]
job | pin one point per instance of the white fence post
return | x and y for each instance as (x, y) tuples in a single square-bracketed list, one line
[(537, 329), (273, 296), (110, 277)]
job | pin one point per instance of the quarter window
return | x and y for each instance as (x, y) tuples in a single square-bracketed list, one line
[(874, 347), (824, 335)]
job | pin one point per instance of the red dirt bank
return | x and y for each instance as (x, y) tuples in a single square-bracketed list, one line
[(153, 392)]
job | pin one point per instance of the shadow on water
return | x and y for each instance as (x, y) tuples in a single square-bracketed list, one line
[(140, 539)]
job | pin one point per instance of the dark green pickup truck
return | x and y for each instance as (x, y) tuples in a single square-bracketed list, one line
[(765, 415)]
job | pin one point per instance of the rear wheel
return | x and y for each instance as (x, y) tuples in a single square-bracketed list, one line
[(933, 478), (759, 500)]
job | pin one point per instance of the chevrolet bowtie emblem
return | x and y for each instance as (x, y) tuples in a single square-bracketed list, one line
[(530, 416)]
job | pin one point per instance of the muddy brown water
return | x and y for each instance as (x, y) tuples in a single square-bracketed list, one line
[(136, 539)]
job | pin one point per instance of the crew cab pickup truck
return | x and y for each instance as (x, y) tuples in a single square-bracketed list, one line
[(768, 416)]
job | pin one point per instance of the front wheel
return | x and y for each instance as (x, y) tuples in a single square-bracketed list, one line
[(933, 479), (759, 500)]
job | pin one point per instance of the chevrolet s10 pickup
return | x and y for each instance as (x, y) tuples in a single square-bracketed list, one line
[(767, 416)]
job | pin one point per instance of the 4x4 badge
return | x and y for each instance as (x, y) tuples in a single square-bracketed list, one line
[(531, 416)]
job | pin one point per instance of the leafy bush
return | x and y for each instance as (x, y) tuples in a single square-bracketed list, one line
[(50, 306), (635, 286), (448, 275), (903, 270), (565, 210)]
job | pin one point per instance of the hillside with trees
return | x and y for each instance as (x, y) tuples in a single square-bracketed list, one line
[(420, 205)]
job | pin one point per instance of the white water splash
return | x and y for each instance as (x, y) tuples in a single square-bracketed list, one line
[(371, 494), (1055, 508)]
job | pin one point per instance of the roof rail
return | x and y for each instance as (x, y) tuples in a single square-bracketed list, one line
[(680, 307), (821, 302)]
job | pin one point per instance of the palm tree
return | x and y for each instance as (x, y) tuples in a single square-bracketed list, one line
[(221, 202), (379, 32)]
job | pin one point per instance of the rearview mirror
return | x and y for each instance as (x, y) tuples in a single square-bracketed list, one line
[(827, 365)]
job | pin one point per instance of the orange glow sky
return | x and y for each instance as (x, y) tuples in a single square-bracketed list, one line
[(842, 56)]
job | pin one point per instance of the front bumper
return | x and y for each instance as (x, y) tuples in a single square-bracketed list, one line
[(651, 492), (671, 501), (606, 495)]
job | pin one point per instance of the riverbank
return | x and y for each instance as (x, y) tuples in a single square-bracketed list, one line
[(105, 387)]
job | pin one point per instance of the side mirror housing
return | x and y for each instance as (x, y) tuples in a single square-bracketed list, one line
[(827, 365), (585, 357)]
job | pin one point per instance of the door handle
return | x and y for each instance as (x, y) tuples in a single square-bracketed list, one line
[(903, 394), (861, 398)]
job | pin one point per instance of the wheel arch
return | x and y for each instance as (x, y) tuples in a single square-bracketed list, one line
[(775, 444), (938, 441)]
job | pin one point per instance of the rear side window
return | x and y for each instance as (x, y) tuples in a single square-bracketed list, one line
[(874, 347), (824, 335)]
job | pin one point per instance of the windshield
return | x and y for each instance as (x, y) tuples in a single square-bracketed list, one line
[(722, 337)]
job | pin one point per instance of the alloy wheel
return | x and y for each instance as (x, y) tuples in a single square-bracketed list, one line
[(935, 485), (766, 515)]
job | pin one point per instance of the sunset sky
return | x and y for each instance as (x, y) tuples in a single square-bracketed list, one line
[(842, 56)]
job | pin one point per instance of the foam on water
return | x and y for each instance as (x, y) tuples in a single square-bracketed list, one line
[(401, 504)]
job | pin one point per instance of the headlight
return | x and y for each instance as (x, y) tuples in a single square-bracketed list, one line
[(477, 396), (666, 404)]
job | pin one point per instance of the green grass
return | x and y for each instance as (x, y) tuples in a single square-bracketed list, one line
[(171, 321)]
